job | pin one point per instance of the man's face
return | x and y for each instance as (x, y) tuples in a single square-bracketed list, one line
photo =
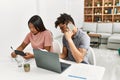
[(63, 27)]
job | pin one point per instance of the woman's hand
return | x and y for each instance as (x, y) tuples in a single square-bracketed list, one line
[(13, 55), (28, 55)]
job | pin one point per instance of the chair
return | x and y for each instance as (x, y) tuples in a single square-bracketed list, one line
[(91, 56), (57, 47)]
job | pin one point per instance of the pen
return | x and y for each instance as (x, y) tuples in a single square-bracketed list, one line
[(77, 77), (12, 48), (13, 51)]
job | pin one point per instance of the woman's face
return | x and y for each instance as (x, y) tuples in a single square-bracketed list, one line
[(32, 29)]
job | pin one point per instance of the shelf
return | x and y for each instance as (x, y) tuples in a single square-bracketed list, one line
[(102, 11)]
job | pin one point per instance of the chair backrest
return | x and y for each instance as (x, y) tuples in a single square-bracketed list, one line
[(57, 47), (91, 56)]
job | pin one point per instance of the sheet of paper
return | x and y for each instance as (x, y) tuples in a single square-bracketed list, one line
[(72, 77), (82, 72)]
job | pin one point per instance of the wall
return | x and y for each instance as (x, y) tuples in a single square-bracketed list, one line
[(49, 10), (15, 14), (13, 22)]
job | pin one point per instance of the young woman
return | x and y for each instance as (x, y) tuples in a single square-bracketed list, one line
[(39, 37)]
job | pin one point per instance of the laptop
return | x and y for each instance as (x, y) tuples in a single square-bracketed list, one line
[(49, 61)]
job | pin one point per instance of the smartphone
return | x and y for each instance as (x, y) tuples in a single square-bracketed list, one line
[(70, 26), (20, 53)]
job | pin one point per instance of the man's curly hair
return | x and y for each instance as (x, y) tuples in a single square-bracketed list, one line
[(64, 19)]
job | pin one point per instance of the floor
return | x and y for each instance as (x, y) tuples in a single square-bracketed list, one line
[(109, 59)]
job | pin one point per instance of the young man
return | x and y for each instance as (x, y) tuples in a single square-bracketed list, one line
[(75, 41)]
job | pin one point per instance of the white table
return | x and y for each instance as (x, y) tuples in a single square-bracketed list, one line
[(10, 71)]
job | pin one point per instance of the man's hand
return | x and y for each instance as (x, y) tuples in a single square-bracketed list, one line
[(68, 34)]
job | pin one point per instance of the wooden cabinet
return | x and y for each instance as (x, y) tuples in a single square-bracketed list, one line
[(102, 11)]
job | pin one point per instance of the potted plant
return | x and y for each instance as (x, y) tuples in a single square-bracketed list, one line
[(98, 12), (117, 3), (98, 4), (119, 51), (106, 4), (89, 4), (117, 20), (27, 67), (110, 3), (88, 32), (106, 11)]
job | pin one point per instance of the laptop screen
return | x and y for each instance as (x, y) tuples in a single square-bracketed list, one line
[(47, 60)]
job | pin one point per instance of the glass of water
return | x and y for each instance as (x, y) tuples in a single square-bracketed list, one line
[(19, 60)]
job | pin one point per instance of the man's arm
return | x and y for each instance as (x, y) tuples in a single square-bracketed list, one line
[(79, 53), (63, 55)]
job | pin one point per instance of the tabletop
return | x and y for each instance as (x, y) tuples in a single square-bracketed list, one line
[(10, 70)]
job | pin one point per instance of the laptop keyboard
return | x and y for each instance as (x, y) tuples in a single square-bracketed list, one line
[(64, 66)]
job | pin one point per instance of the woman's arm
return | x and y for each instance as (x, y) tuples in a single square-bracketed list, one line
[(47, 48), (21, 48)]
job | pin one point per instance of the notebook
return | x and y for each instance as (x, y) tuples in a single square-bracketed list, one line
[(49, 61)]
